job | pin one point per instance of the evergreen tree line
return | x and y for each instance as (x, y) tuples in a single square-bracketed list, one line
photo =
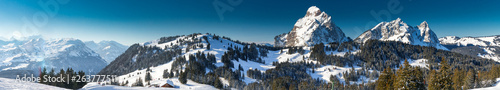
[(381, 54), (140, 57), (445, 78), (69, 71), (195, 70)]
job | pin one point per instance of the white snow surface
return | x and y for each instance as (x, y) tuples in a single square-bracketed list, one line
[(12, 84), (494, 87), (190, 85), (419, 63)]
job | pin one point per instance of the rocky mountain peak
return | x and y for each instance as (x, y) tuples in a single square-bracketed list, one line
[(397, 30), (314, 28), (313, 11)]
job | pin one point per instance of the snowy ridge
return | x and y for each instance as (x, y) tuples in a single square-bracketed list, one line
[(314, 28), (218, 47), (488, 44), (475, 41), (397, 30)]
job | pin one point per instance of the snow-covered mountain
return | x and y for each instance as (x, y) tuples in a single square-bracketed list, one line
[(133, 63), (314, 28), (397, 30), (468, 41), (27, 57), (486, 47), (108, 50)]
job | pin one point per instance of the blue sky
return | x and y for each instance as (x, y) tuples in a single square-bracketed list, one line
[(137, 21)]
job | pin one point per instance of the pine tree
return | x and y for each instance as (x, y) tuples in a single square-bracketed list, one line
[(457, 78), (392, 79), (432, 81), (148, 76), (403, 77), (335, 81), (468, 82), (51, 74), (139, 82), (384, 81), (183, 77), (313, 68), (208, 46), (240, 68), (43, 73), (417, 79), (478, 79), (444, 76), (166, 73), (217, 83)]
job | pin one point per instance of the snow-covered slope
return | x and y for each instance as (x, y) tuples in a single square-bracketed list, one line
[(218, 48), (397, 30), (108, 50), (314, 28), (190, 85), (12, 84), (468, 41), (31, 55), (489, 45)]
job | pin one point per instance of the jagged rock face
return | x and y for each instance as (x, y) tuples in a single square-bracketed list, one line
[(314, 28), (397, 30), (426, 32)]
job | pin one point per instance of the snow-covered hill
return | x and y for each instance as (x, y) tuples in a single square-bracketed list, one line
[(108, 50), (397, 30), (12, 84), (28, 57), (190, 85), (128, 65), (468, 41), (314, 28), (489, 46)]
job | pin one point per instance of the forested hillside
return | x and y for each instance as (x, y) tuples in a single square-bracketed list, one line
[(205, 58)]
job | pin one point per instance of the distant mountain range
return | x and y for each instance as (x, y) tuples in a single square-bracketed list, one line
[(108, 50), (486, 47), (31, 55)]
